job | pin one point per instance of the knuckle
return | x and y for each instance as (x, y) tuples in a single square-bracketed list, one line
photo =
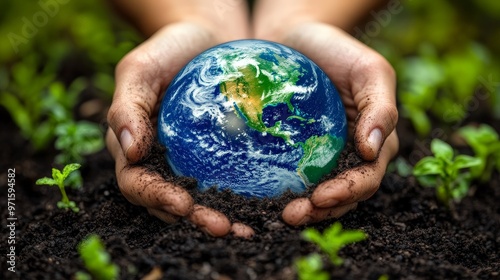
[(133, 60), (376, 63), (391, 111)]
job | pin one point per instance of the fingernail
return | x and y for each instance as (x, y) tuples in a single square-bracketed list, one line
[(375, 140), (327, 203), (126, 140)]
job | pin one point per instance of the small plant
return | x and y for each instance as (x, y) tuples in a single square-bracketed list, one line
[(485, 143), (37, 103), (440, 85), (420, 79), (58, 179), (77, 139), (445, 172), (333, 239), (401, 167), (311, 268), (96, 260)]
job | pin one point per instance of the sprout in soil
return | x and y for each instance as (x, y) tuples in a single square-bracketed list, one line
[(311, 268), (58, 179), (333, 239), (96, 260), (445, 172), (485, 143)]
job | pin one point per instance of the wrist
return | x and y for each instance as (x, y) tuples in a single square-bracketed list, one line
[(149, 16), (273, 18)]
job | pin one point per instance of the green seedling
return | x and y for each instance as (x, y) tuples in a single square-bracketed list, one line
[(96, 260), (333, 239), (445, 172), (37, 103), (77, 139), (401, 167), (58, 179), (420, 78), (440, 86), (485, 143), (311, 268)]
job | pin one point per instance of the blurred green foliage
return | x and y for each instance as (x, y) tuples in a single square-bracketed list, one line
[(485, 142), (447, 56), (52, 51), (88, 29), (446, 53), (97, 260)]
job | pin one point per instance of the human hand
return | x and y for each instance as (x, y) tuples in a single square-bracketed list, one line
[(141, 77), (367, 85)]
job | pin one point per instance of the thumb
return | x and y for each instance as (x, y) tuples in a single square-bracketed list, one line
[(372, 128), (378, 114), (141, 78), (129, 114)]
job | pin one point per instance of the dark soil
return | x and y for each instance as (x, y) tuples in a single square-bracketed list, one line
[(411, 236)]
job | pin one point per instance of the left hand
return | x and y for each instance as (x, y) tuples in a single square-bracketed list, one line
[(367, 85)]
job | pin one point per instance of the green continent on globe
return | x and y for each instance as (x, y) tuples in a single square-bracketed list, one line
[(262, 85), (320, 157), (266, 83)]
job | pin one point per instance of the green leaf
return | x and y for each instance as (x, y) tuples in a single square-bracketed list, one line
[(480, 138), (314, 236), (462, 187), (42, 135), (429, 166), (442, 149), (57, 175), (18, 112), (89, 138), (96, 259), (310, 268), (70, 168), (429, 181), (420, 121), (400, 166), (352, 236), (46, 181), (465, 161), (332, 232), (333, 239)]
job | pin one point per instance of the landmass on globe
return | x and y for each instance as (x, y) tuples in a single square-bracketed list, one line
[(253, 116)]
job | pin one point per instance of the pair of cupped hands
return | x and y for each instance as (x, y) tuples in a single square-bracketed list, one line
[(366, 83)]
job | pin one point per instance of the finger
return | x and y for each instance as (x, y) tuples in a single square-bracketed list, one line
[(374, 97), (355, 184), (141, 78), (210, 221), (164, 216), (112, 143), (242, 230), (146, 188), (302, 211)]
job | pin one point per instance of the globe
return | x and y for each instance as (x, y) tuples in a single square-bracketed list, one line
[(252, 116)]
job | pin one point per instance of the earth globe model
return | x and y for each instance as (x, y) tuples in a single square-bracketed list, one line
[(252, 116)]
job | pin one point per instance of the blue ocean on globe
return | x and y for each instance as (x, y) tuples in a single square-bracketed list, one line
[(252, 116)]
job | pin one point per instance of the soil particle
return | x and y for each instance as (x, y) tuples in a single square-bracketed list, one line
[(411, 236)]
